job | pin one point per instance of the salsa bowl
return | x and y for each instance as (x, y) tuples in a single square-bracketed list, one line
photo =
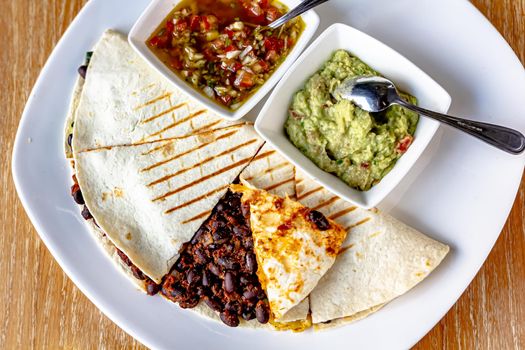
[(156, 13), (406, 76)]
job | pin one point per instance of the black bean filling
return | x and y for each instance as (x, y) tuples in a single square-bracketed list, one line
[(218, 266)]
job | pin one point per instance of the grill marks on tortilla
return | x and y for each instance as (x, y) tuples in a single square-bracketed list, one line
[(325, 203), (178, 122), (270, 170), (204, 131), (156, 165), (341, 213), (146, 88), (279, 184), (218, 172), (154, 100), (357, 224), (304, 195), (198, 216), (207, 160), (163, 113), (195, 200)]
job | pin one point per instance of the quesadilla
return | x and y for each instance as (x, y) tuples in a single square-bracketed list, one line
[(380, 259), (276, 175), (99, 121), (216, 274), (124, 101), (294, 246), (151, 198)]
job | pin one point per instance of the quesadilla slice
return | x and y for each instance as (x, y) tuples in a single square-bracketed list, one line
[(216, 273), (124, 101), (276, 175), (380, 259), (150, 198), (294, 246)]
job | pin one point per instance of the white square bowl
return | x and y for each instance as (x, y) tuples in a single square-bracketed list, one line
[(406, 76), (158, 10)]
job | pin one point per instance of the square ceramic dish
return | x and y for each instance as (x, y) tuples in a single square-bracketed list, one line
[(158, 10), (406, 76)]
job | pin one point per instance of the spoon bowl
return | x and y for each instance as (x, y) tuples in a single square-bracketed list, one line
[(375, 94)]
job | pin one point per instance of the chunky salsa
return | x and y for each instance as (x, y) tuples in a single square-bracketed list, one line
[(223, 47)]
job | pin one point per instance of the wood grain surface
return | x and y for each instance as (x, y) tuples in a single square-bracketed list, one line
[(41, 308)]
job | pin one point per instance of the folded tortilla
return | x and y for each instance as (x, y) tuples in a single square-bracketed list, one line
[(124, 101), (380, 259), (151, 198), (277, 176), (292, 251)]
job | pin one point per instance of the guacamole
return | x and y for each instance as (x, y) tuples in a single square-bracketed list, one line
[(358, 147)]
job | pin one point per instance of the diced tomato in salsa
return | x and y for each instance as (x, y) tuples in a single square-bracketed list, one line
[(404, 143), (170, 26), (223, 45)]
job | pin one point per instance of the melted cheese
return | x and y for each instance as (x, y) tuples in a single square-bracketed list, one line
[(292, 253)]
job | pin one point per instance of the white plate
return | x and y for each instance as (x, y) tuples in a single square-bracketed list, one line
[(461, 196), (157, 12), (409, 78)]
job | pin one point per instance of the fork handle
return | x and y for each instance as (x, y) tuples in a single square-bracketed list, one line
[(296, 11), (506, 139)]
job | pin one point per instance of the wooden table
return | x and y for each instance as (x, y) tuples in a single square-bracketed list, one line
[(41, 308)]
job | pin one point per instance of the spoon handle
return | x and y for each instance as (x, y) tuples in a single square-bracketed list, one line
[(296, 11), (506, 139)]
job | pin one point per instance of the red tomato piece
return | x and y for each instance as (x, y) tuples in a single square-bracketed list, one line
[(404, 143), (209, 55), (272, 14), (195, 22), (229, 32), (243, 80), (176, 63), (170, 26), (160, 41), (236, 66), (264, 3), (273, 43), (181, 25), (206, 23), (230, 48)]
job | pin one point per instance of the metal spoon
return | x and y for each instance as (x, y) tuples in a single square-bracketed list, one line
[(375, 94), (296, 11)]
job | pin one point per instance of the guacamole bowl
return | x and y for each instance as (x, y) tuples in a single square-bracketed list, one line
[(271, 120)]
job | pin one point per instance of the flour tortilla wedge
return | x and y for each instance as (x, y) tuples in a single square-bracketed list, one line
[(124, 101), (104, 242), (151, 198), (380, 259), (292, 252), (277, 176), (270, 172)]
